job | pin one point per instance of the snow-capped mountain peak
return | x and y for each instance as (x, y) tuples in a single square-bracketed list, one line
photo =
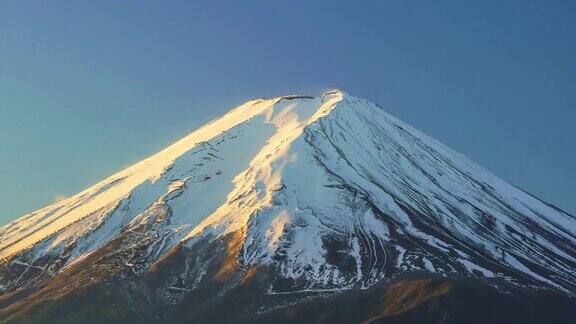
[(331, 192)]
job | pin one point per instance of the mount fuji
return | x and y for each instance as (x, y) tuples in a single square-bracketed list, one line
[(296, 208)]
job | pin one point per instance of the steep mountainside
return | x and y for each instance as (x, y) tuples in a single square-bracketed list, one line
[(288, 199)]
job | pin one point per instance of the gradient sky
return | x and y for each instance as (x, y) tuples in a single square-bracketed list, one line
[(89, 87)]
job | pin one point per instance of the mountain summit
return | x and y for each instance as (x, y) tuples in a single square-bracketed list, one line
[(281, 201)]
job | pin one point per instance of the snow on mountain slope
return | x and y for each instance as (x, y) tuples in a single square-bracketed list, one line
[(332, 192), (115, 201)]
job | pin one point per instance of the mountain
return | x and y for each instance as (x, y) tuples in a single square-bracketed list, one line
[(289, 209)]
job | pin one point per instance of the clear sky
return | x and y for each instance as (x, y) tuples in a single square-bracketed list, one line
[(88, 87)]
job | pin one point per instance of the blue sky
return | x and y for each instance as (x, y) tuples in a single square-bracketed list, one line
[(88, 87)]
